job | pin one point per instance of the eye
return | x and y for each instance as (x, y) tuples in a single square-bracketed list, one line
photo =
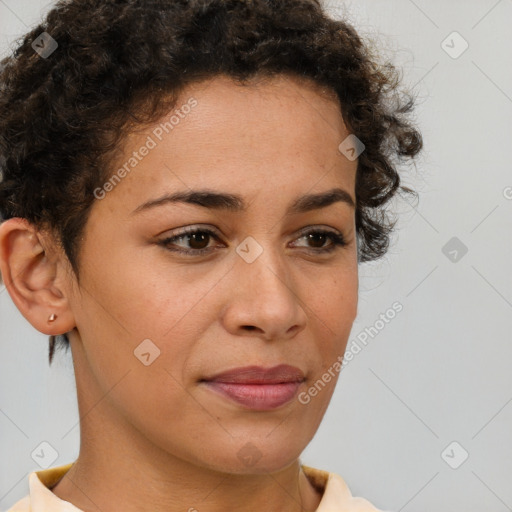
[(318, 237), (195, 241), (196, 238)]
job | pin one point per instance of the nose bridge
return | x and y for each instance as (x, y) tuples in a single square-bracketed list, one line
[(265, 297), (262, 263)]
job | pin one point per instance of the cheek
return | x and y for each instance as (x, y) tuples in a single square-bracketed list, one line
[(141, 298), (333, 299), (131, 315), (335, 307), (335, 311)]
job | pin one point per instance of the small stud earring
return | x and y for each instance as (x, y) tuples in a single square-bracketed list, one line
[(52, 317)]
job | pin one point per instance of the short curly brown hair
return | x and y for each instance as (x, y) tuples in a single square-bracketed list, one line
[(123, 62)]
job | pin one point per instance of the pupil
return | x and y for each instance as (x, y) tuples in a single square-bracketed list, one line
[(317, 235), (200, 238)]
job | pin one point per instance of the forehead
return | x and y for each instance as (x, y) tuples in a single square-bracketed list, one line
[(264, 98), (270, 132)]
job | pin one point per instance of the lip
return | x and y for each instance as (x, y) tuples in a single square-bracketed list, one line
[(258, 388), (259, 375)]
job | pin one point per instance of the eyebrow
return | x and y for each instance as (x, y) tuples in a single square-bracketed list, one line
[(234, 203)]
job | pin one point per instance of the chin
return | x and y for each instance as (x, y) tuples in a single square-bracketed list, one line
[(257, 456)]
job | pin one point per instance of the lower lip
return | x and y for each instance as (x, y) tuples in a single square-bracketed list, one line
[(258, 397)]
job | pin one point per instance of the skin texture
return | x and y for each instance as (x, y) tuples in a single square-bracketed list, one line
[(155, 434)]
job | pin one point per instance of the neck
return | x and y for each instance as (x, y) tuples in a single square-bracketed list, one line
[(130, 487), (145, 478)]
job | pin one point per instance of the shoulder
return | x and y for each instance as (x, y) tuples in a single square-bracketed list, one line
[(22, 505), (40, 497), (335, 492)]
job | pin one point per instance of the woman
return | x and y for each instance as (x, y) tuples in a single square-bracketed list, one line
[(188, 188)]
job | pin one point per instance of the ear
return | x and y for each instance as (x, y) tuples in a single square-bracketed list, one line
[(35, 276)]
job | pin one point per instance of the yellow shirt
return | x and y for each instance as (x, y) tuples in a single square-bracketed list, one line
[(336, 496)]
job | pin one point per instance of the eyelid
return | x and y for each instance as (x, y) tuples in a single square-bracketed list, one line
[(191, 228), (317, 227)]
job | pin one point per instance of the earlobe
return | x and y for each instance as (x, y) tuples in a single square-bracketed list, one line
[(33, 279)]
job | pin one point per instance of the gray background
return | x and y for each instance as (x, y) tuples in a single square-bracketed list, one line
[(439, 372)]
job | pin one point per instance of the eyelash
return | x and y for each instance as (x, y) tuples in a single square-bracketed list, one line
[(337, 239)]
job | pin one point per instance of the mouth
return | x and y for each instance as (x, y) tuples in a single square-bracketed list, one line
[(257, 388)]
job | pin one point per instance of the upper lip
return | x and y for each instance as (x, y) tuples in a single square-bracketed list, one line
[(259, 375)]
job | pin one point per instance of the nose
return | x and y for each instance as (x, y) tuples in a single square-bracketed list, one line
[(265, 300)]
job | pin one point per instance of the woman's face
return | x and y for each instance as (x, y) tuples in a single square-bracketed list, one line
[(158, 319)]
